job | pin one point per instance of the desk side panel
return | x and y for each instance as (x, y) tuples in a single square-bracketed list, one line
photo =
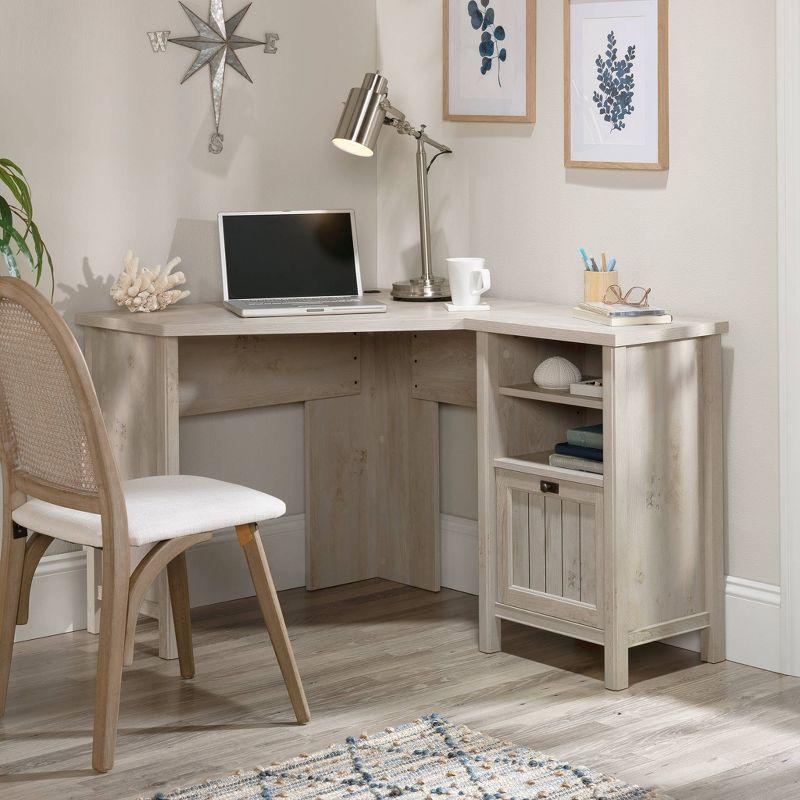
[(657, 477), (135, 378)]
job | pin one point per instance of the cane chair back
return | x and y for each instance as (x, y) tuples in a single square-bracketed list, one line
[(54, 442)]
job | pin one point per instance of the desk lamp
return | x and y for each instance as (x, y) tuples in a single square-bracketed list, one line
[(366, 112)]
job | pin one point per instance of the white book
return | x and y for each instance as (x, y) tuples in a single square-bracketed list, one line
[(622, 310), (580, 313), (572, 462)]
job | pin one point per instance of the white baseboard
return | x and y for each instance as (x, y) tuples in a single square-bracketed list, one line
[(58, 597), (752, 624), (219, 573), (459, 553), (752, 628)]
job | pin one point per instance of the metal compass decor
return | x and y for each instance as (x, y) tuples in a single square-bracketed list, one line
[(216, 42)]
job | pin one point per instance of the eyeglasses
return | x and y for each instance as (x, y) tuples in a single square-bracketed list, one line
[(636, 296)]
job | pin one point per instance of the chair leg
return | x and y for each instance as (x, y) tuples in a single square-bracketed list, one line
[(250, 540), (181, 613), (113, 613), (11, 562)]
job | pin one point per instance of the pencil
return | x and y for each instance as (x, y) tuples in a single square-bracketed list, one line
[(604, 262)]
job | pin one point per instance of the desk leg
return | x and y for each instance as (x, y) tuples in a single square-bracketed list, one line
[(489, 445), (404, 466), (337, 533), (136, 380), (712, 646), (372, 476)]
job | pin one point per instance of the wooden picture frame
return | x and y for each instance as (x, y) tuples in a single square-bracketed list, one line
[(655, 135), (460, 108)]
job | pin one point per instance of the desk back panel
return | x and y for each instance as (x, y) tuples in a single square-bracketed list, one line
[(226, 373), (443, 367)]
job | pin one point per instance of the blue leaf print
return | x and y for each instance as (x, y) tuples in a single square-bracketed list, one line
[(490, 35), (476, 16), (615, 78)]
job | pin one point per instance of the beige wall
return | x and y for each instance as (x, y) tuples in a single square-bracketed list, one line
[(703, 234), (116, 151)]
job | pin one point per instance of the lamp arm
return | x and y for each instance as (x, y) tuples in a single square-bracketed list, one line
[(397, 120)]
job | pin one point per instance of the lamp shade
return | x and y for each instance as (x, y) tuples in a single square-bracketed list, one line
[(363, 116)]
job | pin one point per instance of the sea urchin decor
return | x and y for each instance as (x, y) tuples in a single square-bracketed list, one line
[(556, 373), (148, 288), (425, 759)]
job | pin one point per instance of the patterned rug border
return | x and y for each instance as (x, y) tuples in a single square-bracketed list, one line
[(486, 768)]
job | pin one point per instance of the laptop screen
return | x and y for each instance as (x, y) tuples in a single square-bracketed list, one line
[(292, 254)]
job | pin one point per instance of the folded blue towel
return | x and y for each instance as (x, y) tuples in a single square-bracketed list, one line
[(567, 449), (588, 436)]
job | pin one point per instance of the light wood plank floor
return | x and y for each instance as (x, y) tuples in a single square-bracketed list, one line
[(374, 654)]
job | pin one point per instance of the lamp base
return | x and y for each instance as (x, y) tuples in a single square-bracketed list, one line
[(419, 289)]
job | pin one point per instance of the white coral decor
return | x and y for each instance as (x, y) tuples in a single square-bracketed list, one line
[(147, 289)]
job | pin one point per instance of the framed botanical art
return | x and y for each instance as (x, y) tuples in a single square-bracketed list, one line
[(490, 60), (616, 86)]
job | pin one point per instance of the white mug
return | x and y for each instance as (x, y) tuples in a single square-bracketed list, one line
[(469, 279)]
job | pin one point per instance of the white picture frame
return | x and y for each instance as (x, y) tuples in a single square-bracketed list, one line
[(616, 85), (506, 91)]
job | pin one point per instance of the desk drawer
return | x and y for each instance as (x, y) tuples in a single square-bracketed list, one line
[(551, 545)]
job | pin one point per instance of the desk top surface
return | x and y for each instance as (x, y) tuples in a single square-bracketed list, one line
[(511, 317)]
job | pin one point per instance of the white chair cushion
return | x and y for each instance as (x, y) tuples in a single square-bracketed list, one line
[(161, 507)]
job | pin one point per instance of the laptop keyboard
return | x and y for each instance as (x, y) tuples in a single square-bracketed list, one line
[(297, 301)]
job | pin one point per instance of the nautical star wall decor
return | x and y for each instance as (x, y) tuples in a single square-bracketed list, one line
[(216, 42)]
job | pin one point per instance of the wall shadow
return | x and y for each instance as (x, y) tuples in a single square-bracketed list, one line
[(93, 294), (196, 241)]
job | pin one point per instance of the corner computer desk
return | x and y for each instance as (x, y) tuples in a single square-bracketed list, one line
[(619, 559)]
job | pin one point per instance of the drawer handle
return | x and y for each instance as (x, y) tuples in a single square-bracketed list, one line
[(548, 487)]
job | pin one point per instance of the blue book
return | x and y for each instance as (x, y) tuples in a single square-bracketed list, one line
[(566, 449), (588, 436)]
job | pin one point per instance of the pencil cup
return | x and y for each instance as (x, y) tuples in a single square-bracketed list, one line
[(595, 285)]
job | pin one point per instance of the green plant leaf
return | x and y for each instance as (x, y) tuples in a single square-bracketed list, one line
[(13, 178), (38, 246), (25, 192), (13, 269), (7, 162), (10, 180), (52, 272), (6, 220), (22, 246), (19, 188)]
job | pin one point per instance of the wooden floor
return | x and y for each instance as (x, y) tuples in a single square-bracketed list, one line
[(374, 654)]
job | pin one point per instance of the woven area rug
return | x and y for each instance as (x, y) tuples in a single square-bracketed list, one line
[(420, 761)]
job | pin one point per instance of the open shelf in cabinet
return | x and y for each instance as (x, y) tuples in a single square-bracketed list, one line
[(532, 392), (537, 464)]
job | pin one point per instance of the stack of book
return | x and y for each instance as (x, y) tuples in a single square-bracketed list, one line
[(621, 314), (583, 450)]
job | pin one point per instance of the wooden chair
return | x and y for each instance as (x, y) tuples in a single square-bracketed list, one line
[(60, 480)]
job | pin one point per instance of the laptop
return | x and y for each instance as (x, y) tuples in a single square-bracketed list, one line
[(292, 263)]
